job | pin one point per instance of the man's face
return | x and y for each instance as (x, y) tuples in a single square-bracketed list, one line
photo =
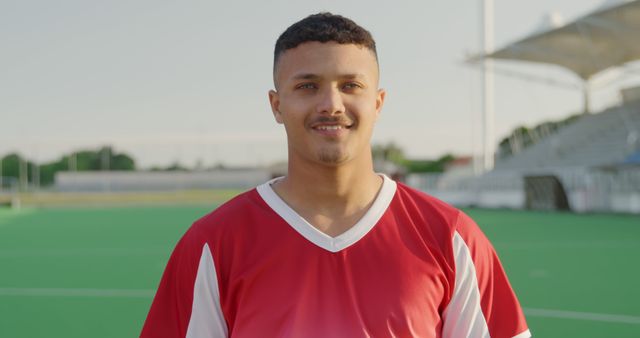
[(328, 100)]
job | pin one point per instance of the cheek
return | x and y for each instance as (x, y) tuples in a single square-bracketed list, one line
[(294, 112), (294, 126), (367, 115)]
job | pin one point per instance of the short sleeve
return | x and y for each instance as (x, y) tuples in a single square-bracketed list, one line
[(187, 302), (483, 303)]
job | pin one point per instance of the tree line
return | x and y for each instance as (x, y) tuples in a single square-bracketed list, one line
[(15, 168), (393, 153)]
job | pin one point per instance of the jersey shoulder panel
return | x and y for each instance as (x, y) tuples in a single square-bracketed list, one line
[(434, 222), (498, 304), (433, 204), (434, 213), (196, 257), (230, 217)]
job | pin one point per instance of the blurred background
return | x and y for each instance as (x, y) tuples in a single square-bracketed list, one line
[(121, 122)]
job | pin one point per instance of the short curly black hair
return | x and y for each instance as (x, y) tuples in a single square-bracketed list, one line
[(323, 27)]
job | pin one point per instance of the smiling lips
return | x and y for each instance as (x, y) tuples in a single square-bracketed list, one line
[(331, 125), (332, 129)]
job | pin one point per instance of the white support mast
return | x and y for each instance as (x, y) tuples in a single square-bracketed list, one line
[(586, 96), (487, 88)]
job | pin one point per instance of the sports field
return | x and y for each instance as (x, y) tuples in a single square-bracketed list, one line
[(91, 272)]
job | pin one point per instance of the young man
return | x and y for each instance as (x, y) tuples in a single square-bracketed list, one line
[(333, 249)]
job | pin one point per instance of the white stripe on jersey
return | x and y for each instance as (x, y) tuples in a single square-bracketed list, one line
[(463, 316), (312, 234), (206, 319), (525, 334)]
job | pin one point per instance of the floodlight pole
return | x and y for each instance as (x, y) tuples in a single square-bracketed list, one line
[(22, 174), (586, 94), (35, 177), (487, 87), (73, 162), (105, 156)]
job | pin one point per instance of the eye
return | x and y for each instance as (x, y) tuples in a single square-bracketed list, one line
[(306, 85), (352, 86)]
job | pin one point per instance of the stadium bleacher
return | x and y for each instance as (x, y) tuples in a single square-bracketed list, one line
[(589, 161), (601, 139)]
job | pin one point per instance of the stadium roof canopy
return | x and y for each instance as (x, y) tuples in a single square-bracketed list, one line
[(607, 37)]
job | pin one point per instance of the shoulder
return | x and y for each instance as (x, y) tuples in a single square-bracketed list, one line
[(229, 217), (234, 208), (433, 221), (426, 207), (439, 214)]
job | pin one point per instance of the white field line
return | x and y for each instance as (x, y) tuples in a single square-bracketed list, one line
[(38, 292), (141, 293), (598, 317), (629, 243), (11, 253)]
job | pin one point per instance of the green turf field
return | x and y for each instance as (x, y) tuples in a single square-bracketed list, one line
[(91, 272)]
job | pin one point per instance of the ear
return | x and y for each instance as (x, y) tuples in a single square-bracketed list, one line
[(274, 101), (380, 96)]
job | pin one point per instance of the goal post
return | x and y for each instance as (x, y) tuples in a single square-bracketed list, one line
[(545, 193)]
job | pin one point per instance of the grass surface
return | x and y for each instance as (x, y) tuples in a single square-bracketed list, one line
[(91, 272), (573, 263)]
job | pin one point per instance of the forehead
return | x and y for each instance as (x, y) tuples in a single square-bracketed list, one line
[(326, 59)]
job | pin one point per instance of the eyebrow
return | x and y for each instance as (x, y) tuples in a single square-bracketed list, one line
[(306, 76), (311, 76)]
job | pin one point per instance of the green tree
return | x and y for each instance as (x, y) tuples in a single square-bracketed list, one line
[(429, 166), (85, 160), (388, 152), (11, 165), (17, 167)]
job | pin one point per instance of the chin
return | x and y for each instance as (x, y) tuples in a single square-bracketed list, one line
[(332, 156)]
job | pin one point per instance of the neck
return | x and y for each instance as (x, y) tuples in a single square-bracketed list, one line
[(331, 197), (327, 185)]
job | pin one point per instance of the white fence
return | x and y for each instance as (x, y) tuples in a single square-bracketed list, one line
[(120, 181), (588, 190)]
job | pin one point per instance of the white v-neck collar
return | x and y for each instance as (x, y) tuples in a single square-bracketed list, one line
[(317, 237)]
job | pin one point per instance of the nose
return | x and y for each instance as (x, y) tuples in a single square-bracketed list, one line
[(330, 101)]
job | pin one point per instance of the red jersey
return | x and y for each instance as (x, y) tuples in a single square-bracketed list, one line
[(413, 266)]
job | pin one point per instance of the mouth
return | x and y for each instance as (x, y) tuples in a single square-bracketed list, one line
[(332, 130), (332, 127)]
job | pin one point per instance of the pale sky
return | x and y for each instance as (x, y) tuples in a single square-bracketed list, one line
[(168, 81)]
